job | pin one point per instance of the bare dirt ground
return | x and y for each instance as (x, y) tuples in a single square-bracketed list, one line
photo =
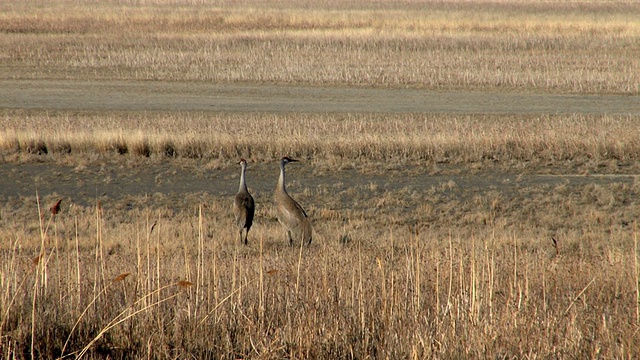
[(117, 181), (175, 183), (201, 96)]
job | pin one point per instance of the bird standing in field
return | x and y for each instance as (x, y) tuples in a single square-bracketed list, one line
[(290, 213), (243, 205)]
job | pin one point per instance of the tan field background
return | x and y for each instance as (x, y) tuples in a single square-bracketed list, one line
[(436, 235), (560, 46)]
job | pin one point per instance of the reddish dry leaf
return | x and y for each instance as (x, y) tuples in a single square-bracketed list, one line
[(272, 272), (36, 260), (121, 277), (55, 208)]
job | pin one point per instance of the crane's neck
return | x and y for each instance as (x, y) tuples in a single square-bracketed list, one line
[(281, 186), (243, 184)]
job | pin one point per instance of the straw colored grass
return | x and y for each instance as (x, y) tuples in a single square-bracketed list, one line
[(542, 272), (557, 139), (472, 279), (586, 47)]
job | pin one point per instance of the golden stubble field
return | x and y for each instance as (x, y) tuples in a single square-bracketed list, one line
[(537, 271)]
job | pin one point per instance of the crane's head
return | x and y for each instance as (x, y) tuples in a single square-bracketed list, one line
[(242, 162), (285, 160)]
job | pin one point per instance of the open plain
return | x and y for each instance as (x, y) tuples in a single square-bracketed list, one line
[(470, 169)]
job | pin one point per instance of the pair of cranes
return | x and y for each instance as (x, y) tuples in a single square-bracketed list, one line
[(290, 214)]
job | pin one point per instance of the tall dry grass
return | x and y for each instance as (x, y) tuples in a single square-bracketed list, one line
[(584, 47), (394, 273), (576, 139), (534, 275)]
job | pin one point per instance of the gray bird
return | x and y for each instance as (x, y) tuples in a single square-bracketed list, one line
[(290, 213), (243, 205)]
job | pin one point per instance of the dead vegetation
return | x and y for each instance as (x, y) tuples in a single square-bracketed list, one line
[(578, 139), (556, 47), (545, 272), (471, 276)]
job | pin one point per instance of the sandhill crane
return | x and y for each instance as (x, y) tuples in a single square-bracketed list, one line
[(290, 213), (243, 205)]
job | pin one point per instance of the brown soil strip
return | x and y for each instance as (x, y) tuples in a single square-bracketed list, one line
[(182, 96)]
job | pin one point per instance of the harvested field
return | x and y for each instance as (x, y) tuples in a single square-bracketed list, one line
[(470, 169)]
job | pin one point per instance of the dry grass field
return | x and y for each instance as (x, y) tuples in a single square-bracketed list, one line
[(577, 139), (564, 46), (394, 271)]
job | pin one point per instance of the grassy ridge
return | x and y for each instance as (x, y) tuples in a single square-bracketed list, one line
[(439, 138)]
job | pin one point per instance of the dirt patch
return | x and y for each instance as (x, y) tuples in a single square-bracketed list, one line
[(201, 96), (355, 189)]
